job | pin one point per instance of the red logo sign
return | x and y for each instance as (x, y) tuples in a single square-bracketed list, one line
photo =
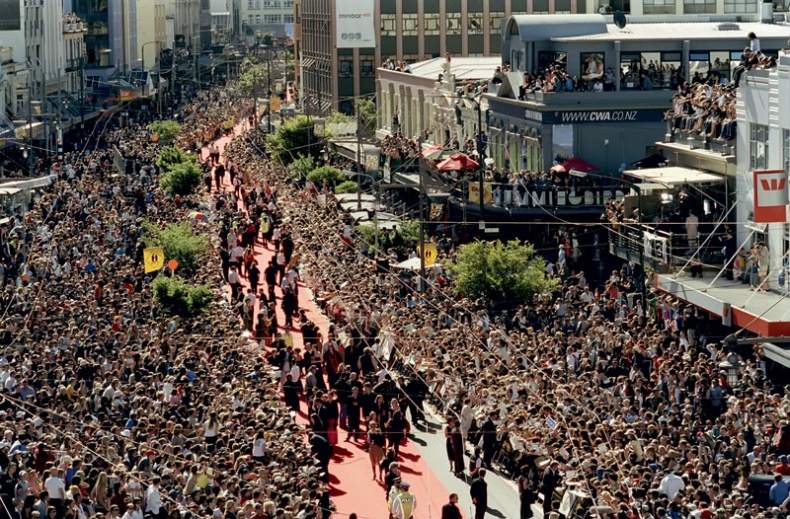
[(770, 196)]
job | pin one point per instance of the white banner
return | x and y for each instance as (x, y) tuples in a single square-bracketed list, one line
[(355, 24)]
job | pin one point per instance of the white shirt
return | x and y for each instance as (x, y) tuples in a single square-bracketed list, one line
[(152, 500), (258, 448), (671, 485), (56, 488)]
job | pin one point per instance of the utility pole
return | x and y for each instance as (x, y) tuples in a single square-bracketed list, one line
[(422, 224), (359, 161)]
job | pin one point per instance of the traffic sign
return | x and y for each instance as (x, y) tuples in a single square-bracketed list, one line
[(429, 254)]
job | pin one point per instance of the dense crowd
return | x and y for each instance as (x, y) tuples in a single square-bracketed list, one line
[(620, 394), (110, 408)]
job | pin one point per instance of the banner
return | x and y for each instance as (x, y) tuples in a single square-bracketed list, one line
[(355, 24), (153, 259), (474, 193), (770, 196)]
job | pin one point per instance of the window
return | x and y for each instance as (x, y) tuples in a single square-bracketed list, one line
[(298, 14), (257, 19), (252, 19), (272, 19), (495, 22), (453, 24), (739, 6), (347, 67), (270, 4), (366, 65), (250, 5), (288, 18), (474, 23), (699, 6), (659, 7), (288, 4), (410, 24), (258, 4), (388, 25), (787, 150), (759, 147), (432, 27)]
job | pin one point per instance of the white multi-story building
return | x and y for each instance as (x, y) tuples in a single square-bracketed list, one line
[(151, 30), (764, 144), (267, 16)]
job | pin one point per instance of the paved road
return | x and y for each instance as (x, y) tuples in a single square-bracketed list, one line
[(503, 502)]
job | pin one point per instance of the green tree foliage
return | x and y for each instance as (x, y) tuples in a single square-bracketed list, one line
[(291, 139), (349, 186), (318, 175), (169, 156), (175, 297), (178, 241), (499, 272), (165, 130), (406, 236), (301, 167), (338, 118), (181, 179), (252, 77), (366, 111)]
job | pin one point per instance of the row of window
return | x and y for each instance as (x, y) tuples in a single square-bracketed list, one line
[(432, 24), (257, 5), (270, 19), (367, 66), (689, 6), (758, 146)]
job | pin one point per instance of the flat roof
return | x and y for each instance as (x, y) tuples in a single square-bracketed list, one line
[(469, 68), (674, 175), (684, 31)]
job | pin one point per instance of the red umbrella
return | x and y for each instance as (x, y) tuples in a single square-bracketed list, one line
[(574, 164), (433, 152), (457, 162)]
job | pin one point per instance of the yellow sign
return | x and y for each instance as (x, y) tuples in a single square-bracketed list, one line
[(429, 254), (275, 103), (153, 259), (474, 193)]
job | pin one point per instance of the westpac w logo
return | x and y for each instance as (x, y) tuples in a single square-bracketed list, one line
[(773, 184), (770, 196)]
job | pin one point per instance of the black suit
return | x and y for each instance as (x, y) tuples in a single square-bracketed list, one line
[(551, 479), (488, 431), (451, 511), (479, 493)]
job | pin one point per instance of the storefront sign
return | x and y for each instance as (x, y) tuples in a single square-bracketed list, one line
[(474, 193), (355, 24), (770, 196), (604, 116)]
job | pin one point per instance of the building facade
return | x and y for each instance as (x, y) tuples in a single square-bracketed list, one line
[(111, 40), (764, 144), (151, 31), (74, 31), (267, 16)]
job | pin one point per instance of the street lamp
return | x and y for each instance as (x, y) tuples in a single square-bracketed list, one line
[(480, 169)]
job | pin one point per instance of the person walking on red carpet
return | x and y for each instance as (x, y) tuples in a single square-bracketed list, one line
[(451, 510)]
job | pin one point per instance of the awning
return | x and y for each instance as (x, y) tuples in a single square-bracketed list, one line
[(777, 353), (674, 175), (414, 264)]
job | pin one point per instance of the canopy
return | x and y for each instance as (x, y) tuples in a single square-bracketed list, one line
[(674, 175), (413, 264), (457, 162), (656, 160), (432, 153), (574, 164)]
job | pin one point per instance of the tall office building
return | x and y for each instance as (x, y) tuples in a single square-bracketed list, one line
[(111, 40), (405, 30), (266, 16)]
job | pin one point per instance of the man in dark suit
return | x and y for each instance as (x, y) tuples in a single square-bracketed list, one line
[(479, 493), (551, 479), (488, 432), (451, 510)]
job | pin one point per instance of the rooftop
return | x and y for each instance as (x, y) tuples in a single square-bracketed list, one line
[(469, 68), (683, 31)]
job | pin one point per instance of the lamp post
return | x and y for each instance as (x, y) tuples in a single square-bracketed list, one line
[(480, 169)]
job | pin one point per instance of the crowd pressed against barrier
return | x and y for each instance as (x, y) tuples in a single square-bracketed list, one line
[(129, 413)]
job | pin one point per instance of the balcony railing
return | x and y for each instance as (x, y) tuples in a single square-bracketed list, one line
[(69, 27)]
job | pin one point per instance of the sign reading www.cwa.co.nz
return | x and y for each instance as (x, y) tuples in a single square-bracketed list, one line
[(596, 116)]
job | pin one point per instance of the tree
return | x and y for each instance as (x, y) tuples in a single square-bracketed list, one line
[(175, 297), (182, 179), (301, 167), (366, 112), (349, 186), (318, 175), (165, 130), (252, 76), (294, 137), (178, 241), (500, 272), (169, 156)]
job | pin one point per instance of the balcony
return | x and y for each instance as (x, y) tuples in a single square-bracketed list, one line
[(72, 27)]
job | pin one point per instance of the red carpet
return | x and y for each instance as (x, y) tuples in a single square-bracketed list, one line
[(352, 486)]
